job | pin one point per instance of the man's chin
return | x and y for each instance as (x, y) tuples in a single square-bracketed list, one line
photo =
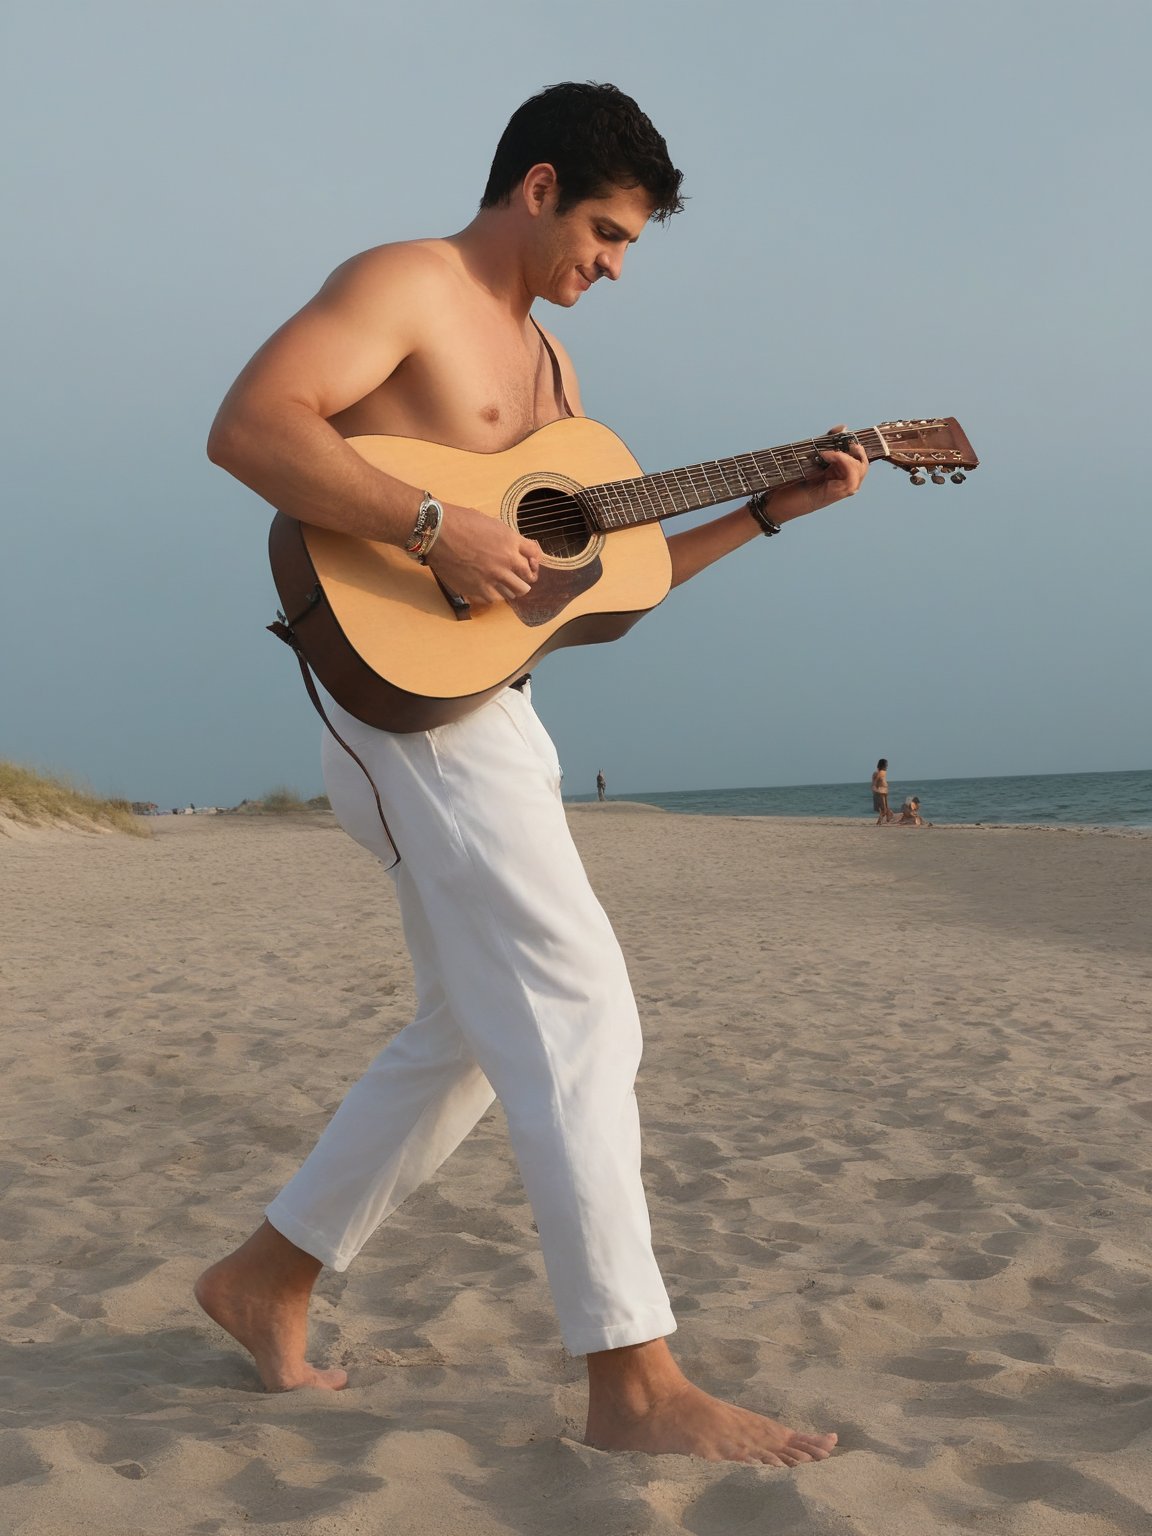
[(567, 291)]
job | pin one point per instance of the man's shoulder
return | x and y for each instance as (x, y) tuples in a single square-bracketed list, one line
[(429, 262)]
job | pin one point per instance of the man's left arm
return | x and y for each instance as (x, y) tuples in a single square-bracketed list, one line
[(696, 548)]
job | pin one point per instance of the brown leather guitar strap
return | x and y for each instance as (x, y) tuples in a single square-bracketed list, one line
[(282, 631), (557, 375)]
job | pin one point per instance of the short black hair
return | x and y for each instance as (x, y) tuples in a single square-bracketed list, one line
[(595, 138)]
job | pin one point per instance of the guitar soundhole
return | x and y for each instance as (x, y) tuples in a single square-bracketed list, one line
[(555, 521)]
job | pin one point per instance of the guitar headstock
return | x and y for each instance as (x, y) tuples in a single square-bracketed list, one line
[(937, 447)]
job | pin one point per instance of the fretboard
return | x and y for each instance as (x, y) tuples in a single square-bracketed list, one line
[(649, 498)]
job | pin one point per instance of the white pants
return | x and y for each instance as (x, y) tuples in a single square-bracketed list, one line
[(521, 991)]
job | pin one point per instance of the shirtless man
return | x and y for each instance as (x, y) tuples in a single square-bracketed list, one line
[(521, 988)]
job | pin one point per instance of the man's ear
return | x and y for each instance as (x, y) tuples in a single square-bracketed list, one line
[(540, 188)]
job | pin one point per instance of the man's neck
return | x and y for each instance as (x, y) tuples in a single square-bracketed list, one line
[(491, 250)]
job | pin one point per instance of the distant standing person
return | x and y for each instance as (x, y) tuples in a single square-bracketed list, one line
[(880, 792), (601, 785)]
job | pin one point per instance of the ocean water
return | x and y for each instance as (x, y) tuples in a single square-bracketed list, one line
[(1052, 799)]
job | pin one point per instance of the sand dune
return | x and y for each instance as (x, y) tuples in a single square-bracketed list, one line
[(898, 1106)]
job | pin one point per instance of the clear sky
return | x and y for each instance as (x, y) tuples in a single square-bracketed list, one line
[(896, 209)]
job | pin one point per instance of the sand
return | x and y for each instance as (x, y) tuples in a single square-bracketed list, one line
[(898, 1104)]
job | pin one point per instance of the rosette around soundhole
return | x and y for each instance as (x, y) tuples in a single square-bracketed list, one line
[(547, 510)]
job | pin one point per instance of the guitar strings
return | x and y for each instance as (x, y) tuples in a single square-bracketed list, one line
[(561, 515), (656, 487)]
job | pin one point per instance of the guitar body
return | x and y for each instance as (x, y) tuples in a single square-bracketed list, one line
[(379, 632)]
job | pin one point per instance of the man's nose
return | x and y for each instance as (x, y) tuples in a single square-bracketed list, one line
[(610, 265)]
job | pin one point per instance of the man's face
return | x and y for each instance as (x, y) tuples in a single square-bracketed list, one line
[(589, 242)]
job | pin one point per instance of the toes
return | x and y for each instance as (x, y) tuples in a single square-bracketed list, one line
[(815, 1442), (790, 1456)]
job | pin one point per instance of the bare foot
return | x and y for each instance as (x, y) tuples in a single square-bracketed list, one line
[(639, 1400), (259, 1295)]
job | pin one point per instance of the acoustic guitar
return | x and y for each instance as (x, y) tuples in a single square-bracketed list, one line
[(402, 653)]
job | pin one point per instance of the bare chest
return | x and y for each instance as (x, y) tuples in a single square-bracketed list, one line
[(469, 385)]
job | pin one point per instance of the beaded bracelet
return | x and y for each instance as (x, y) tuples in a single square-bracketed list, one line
[(756, 507)]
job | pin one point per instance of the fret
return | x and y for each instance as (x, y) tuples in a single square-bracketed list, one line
[(637, 491), (800, 465), (777, 474), (749, 472), (659, 490), (686, 493), (708, 478), (596, 502), (648, 488), (701, 486), (731, 494), (614, 507)]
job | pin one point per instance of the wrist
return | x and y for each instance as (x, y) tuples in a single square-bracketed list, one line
[(425, 530), (757, 509)]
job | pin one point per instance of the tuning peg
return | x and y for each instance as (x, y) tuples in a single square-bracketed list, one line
[(937, 477), (958, 478), (916, 477)]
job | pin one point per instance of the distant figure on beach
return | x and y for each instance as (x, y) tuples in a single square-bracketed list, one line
[(910, 813), (601, 785), (880, 792), (522, 989)]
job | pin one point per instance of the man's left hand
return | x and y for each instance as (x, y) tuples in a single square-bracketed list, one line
[(843, 476)]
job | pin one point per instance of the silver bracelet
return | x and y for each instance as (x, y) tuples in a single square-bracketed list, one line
[(757, 505), (426, 529)]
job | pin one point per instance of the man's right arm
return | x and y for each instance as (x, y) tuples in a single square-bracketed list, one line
[(272, 431)]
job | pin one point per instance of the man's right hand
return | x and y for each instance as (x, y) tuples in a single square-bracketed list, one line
[(482, 558)]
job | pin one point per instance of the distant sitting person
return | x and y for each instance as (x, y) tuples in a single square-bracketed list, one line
[(880, 793), (910, 813)]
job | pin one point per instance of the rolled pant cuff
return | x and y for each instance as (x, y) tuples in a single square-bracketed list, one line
[(641, 1329), (306, 1238)]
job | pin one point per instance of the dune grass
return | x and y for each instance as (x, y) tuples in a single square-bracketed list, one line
[(283, 801), (44, 799)]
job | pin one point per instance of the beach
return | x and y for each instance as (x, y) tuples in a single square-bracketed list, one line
[(897, 1105)]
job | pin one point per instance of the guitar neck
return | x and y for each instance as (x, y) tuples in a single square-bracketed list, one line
[(651, 498)]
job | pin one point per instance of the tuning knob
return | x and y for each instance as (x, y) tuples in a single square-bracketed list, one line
[(937, 477), (958, 478), (916, 477)]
